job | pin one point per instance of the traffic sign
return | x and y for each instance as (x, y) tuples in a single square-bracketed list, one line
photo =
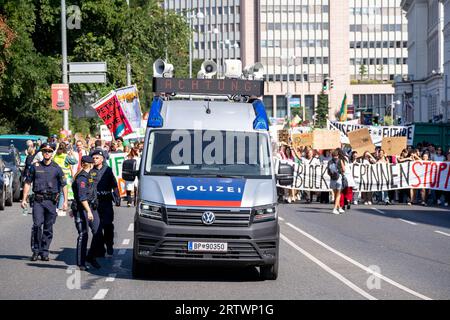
[(60, 96), (87, 67), (87, 77)]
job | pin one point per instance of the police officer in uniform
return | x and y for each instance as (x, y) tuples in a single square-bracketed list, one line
[(84, 210), (48, 181), (107, 193)]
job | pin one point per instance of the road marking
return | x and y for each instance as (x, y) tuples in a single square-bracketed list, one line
[(329, 270), (440, 232), (410, 222), (131, 227), (111, 277), (356, 263), (280, 218), (378, 210), (125, 242), (117, 263), (101, 294), (122, 252)]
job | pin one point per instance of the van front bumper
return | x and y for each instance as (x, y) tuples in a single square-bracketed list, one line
[(155, 241)]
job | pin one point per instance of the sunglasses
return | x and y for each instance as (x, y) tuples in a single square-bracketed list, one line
[(47, 151)]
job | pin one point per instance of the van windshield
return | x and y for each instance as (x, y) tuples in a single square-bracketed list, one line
[(208, 153)]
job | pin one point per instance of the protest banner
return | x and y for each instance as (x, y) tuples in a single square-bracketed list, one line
[(376, 177), (376, 132), (109, 110), (302, 139), (115, 161), (105, 134), (361, 141), (326, 139), (129, 101), (393, 146)]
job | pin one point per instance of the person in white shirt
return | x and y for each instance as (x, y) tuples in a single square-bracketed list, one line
[(78, 153)]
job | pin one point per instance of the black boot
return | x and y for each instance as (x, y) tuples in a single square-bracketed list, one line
[(34, 257)]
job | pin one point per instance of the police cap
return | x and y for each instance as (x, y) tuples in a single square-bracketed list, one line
[(47, 146), (97, 152), (87, 159)]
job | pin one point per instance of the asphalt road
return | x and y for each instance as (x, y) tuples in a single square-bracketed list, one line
[(371, 252)]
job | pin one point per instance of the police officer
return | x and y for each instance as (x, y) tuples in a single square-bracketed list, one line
[(107, 193), (84, 210), (48, 181)]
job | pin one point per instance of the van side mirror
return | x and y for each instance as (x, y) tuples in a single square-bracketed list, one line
[(285, 176)]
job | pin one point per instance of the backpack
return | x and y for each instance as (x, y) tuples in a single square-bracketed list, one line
[(128, 167), (332, 170)]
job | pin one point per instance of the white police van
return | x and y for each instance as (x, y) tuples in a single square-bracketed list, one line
[(207, 186)]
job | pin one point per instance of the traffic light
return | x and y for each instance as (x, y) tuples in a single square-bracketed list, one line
[(325, 84), (331, 84)]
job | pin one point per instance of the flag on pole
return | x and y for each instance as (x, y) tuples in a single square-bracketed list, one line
[(343, 112)]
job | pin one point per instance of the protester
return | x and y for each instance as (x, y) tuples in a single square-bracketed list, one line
[(336, 170), (425, 192), (310, 159), (133, 161), (79, 152), (119, 143), (64, 161), (347, 182), (367, 196), (382, 158)]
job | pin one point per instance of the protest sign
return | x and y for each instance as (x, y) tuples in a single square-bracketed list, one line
[(433, 175), (376, 132), (129, 101), (105, 134), (115, 161), (393, 146), (302, 139), (361, 141), (109, 110), (326, 139)]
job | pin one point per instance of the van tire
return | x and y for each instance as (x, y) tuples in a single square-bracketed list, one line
[(9, 200), (17, 193), (2, 199), (269, 272), (137, 269)]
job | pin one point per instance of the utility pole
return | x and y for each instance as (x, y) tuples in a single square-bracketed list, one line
[(65, 79), (128, 60), (446, 99)]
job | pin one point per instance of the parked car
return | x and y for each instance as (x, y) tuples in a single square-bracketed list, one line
[(11, 159), (5, 186), (20, 142)]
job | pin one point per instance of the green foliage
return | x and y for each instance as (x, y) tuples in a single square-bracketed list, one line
[(362, 71), (322, 110), (110, 31)]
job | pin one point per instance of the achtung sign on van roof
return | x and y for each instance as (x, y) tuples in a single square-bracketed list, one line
[(209, 86)]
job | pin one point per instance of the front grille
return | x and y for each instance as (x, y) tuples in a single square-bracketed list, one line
[(177, 216), (178, 249)]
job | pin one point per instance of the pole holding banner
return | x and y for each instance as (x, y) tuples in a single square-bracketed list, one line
[(65, 79)]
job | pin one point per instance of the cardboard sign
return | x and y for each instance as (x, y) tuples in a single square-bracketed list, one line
[(326, 139), (105, 134), (361, 141), (283, 136), (302, 139), (393, 146)]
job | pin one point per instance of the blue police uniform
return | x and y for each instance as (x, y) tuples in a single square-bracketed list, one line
[(48, 181), (84, 190), (105, 182)]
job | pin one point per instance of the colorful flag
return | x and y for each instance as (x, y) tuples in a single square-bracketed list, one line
[(129, 101), (343, 112), (109, 110)]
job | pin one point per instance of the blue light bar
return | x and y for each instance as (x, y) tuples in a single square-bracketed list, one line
[(155, 119), (261, 122)]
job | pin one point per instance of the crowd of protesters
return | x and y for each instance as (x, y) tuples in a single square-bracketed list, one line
[(343, 194)]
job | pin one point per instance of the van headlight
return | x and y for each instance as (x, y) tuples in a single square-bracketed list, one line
[(150, 210), (264, 213)]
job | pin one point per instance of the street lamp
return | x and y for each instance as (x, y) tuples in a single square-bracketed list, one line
[(393, 104), (191, 17), (288, 93)]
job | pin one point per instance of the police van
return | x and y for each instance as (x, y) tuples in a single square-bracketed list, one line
[(207, 182)]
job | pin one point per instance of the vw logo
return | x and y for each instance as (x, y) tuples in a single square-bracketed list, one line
[(208, 218)]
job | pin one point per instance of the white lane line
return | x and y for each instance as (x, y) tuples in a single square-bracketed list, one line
[(122, 252), (101, 294), (378, 210), (117, 263), (410, 222), (356, 263), (280, 218), (111, 277), (125, 242), (329, 270), (131, 227), (440, 232)]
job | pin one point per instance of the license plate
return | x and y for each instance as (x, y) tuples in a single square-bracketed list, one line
[(207, 246)]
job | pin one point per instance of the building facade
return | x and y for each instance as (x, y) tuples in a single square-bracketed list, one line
[(361, 45), (423, 92)]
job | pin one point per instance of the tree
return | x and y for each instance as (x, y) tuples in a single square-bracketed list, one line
[(362, 71), (322, 110), (110, 31)]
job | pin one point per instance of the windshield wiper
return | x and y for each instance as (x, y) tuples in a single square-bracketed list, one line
[(213, 175)]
